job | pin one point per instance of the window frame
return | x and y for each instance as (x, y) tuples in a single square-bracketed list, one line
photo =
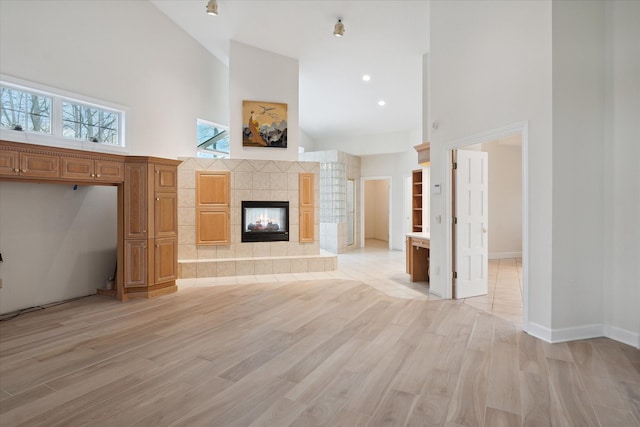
[(56, 138)]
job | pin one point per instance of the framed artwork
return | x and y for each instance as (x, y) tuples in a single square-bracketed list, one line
[(264, 124)]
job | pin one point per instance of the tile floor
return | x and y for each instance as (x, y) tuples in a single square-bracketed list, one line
[(384, 270)]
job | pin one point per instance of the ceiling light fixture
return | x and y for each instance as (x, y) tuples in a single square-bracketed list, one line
[(366, 77), (338, 30), (381, 103), (212, 7)]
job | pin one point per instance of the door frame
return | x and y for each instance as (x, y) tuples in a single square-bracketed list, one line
[(522, 129), (362, 205)]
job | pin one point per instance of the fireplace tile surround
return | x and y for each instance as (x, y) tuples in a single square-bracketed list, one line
[(251, 180)]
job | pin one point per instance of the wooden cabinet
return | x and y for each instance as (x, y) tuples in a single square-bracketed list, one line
[(306, 207), (147, 255), (150, 226), (213, 208), (37, 162), (416, 200), (29, 164), (135, 259), (418, 251), (89, 169), (9, 162)]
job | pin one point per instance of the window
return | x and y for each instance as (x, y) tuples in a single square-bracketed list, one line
[(84, 122), (213, 140), (57, 119), (23, 110)]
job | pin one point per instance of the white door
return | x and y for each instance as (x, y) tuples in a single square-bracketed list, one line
[(471, 203)]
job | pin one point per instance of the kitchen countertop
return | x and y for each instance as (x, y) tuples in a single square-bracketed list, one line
[(426, 236)]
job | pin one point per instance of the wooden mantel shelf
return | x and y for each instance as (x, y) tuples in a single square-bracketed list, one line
[(147, 200)]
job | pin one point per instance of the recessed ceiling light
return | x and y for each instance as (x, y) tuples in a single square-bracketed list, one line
[(366, 77), (381, 103), (338, 29)]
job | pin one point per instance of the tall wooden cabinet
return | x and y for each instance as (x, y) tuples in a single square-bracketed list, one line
[(150, 200), (416, 201)]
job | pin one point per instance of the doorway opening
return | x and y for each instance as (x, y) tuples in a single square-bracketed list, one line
[(504, 231), (376, 210)]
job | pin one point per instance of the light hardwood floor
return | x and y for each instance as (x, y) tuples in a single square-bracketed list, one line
[(329, 351)]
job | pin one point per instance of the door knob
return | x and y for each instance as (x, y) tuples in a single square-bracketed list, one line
[(484, 229)]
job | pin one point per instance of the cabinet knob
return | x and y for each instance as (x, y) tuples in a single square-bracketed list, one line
[(92, 175), (157, 198), (157, 171), (98, 176), (157, 245), (16, 170), (23, 171), (144, 231)]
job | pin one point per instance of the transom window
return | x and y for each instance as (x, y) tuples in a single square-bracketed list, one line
[(22, 110), (36, 111), (84, 122)]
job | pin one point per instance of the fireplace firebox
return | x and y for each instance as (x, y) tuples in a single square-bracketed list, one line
[(265, 221)]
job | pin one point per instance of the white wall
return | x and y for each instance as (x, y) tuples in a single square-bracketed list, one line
[(376, 215), (578, 120), (489, 67), (361, 145), (621, 289), (127, 53), (258, 75), (505, 199), (56, 244), (398, 166)]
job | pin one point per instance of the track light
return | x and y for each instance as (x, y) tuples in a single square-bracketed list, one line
[(212, 7), (338, 30)]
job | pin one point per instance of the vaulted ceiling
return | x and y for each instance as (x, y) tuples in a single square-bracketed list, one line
[(384, 39)]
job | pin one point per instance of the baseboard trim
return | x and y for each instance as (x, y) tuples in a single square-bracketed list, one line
[(622, 335), (577, 333), (538, 331), (503, 255), (582, 333)]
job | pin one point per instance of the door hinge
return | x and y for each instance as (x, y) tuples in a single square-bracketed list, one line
[(455, 274), (455, 165), (455, 219)]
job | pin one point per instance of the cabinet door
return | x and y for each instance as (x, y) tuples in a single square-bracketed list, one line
[(77, 168), (165, 213), (165, 260), (307, 206), (306, 189), (9, 162), (213, 189), (135, 194), (213, 208), (39, 165), (212, 227), (106, 170), (165, 179), (135, 258), (306, 224)]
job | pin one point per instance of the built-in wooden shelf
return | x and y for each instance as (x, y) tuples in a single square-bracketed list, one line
[(416, 200)]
